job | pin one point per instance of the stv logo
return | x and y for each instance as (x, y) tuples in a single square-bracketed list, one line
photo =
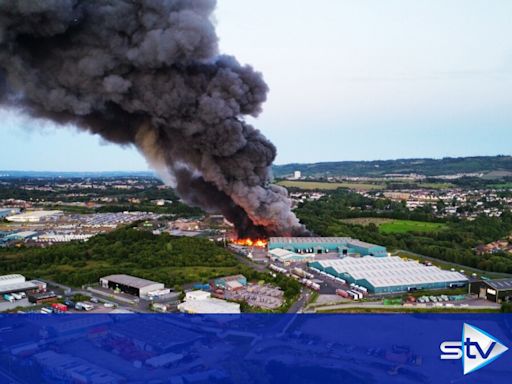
[(477, 349)]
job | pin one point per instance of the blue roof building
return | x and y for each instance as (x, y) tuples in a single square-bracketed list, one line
[(341, 245)]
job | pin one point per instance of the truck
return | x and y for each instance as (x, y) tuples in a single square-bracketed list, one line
[(277, 269), (302, 273), (59, 308), (9, 298), (315, 286)]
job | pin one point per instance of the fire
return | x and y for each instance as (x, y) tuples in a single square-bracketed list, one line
[(260, 243)]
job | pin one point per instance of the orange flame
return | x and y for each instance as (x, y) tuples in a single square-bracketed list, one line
[(259, 243)]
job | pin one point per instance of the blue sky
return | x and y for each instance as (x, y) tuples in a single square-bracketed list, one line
[(349, 80)]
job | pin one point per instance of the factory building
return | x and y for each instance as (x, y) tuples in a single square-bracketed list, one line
[(34, 216), (341, 245), (130, 284), (284, 256), (498, 291), (390, 274), (4, 212), (230, 283), (16, 283), (201, 302)]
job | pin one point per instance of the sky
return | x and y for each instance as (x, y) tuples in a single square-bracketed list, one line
[(349, 80)]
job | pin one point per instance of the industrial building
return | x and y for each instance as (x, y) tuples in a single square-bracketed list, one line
[(202, 302), (286, 256), (498, 291), (230, 283), (40, 298), (389, 274), (341, 245), (34, 216), (4, 212), (16, 283), (131, 285)]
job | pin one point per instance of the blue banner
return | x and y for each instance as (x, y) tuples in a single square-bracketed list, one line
[(256, 348)]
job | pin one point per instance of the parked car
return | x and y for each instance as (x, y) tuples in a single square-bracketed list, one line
[(69, 303)]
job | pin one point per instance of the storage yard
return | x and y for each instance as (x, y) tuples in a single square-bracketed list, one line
[(260, 296), (48, 227)]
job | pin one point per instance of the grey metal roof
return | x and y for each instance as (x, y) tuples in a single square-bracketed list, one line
[(321, 240), (16, 287), (391, 271), (500, 284), (131, 281)]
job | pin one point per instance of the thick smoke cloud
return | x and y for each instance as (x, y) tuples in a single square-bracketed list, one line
[(148, 73)]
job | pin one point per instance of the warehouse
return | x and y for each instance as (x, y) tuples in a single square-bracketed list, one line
[(498, 291), (130, 284), (230, 283), (390, 274), (16, 283), (4, 212), (202, 302), (40, 298), (341, 245), (285, 256)]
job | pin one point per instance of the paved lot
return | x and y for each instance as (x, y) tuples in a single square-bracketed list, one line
[(5, 305)]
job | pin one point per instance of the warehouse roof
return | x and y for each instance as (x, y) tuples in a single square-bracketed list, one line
[(5, 278), (17, 287), (321, 240), (391, 271), (500, 284), (209, 306), (130, 281)]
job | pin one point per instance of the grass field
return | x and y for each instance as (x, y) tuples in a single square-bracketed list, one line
[(314, 185), (368, 220), (501, 186), (397, 226), (436, 185), (404, 226)]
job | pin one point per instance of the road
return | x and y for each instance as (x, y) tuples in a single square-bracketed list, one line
[(249, 263), (301, 302), (479, 304)]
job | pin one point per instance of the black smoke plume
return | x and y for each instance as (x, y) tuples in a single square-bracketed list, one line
[(148, 73)]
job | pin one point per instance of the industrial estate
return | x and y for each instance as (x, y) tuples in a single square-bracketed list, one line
[(49, 246)]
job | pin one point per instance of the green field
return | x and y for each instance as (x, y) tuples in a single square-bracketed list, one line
[(501, 186), (404, 226), (318, 185), (397, 226)]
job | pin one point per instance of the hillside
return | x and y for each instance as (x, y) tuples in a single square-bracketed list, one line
[(492, 165)]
